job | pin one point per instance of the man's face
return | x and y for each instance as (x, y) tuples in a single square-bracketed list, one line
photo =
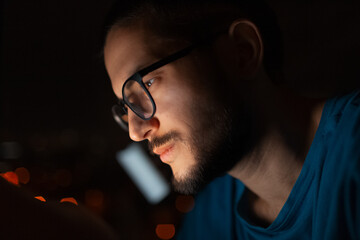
[(191, 127)]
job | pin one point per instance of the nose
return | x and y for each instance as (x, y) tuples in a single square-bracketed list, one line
[(140, 129)]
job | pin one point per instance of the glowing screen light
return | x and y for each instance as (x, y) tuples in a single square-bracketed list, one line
[(143, 173)]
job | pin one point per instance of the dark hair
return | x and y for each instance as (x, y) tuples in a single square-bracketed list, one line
[(193, 20)]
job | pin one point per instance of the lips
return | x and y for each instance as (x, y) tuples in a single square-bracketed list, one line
[(165, 152)]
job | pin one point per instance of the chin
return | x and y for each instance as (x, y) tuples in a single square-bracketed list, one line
[(189, 182), (213, 156)]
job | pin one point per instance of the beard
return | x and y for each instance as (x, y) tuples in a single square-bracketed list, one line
[(221, 137), (223, 133), (216, 151)]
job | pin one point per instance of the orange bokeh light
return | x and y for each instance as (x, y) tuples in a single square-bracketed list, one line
[(70, 200), (23, 175), (11, 177), (165, 231), (184, 203), (41, 198)]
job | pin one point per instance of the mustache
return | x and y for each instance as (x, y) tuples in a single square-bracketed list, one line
[(159, 141)]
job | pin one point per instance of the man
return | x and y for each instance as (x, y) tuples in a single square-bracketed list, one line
[(201, 81)]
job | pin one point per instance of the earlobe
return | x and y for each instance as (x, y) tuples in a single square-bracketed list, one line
[(249, 45)]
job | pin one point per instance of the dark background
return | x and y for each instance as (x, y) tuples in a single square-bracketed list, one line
[(55, 114), (56, 98)]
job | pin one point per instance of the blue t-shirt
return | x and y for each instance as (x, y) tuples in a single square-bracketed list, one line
[(324, 202)]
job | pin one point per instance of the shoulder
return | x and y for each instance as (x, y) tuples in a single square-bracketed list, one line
[(346, 118), (341, 131), (339, 192), (340, 137)]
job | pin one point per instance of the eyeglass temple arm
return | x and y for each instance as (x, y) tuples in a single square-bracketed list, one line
[(178, 55), (167, 60)]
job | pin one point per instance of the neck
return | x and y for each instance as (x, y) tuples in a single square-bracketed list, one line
[(271, 169)]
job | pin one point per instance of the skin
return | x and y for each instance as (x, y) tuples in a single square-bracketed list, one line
[(126, 51), (282, 127)]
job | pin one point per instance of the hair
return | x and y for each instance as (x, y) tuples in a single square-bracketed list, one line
[(193, 20)]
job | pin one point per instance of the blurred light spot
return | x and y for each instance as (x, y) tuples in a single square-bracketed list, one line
[(11, 177), (23, 175), (165, 231), (184, 203), (62, 177), (70, 200), (41, 198), (94, 200), (10, 150)]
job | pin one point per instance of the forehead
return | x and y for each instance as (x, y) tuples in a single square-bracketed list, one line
[(126, 51)]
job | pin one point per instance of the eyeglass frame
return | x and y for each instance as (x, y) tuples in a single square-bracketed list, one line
[(143, 72)]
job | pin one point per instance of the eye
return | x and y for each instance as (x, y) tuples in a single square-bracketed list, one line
[(149, 82)]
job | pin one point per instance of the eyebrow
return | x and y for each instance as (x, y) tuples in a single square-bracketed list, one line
[(140, 69), (155, 72)]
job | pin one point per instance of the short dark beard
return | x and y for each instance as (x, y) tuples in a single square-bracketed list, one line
[(208, 155), (216, 158), (222, 134)]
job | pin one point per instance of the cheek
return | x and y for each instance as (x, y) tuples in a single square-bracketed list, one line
[(175, 107)]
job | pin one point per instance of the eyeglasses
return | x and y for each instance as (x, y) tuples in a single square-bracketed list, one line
[(135, 94)]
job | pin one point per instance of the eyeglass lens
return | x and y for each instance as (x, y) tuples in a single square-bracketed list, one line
[(138, 99)]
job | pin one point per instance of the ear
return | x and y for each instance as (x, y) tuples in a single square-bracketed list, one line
[(248, 46)]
